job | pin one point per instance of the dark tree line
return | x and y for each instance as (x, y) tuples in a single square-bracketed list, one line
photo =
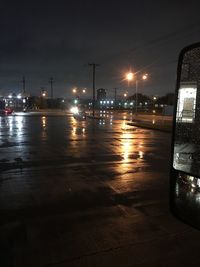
[(35, 102)]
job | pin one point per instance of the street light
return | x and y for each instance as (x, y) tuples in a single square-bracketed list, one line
[(125, 94), (129, 77), (43, 93), (145, 76), (75, 90)]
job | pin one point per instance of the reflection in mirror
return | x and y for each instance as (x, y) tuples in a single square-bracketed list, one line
[(185, 174), (187, 131)]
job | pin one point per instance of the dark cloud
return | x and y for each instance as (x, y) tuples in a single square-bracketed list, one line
[(59, 38)]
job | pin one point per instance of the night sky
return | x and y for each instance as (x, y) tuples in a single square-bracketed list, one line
[(59, 39)]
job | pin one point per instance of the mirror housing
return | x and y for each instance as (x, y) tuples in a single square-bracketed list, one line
[(185, 153)]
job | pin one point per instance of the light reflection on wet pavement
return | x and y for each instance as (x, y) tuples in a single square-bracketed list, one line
[(74, 192)]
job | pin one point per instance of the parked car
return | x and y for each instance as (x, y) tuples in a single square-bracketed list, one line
[(6, 111), (81, 115)]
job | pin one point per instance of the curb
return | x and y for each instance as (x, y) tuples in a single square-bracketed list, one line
[(145, 126)]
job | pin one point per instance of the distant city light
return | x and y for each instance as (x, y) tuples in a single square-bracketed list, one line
[(19, 96), (145, 76), (10, 96)]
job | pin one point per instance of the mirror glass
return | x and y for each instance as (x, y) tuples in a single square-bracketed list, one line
[(186, 155)]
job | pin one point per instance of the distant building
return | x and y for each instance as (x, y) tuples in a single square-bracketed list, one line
[(14, 101), (101, 94)]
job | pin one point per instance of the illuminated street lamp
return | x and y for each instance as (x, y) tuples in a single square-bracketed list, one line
[(131, 76), (75, 90), (145, 76), (125, 94), (44, 93)]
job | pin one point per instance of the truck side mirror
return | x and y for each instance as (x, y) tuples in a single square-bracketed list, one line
[(185, 158)]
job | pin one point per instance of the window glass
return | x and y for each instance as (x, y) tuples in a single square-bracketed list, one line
[(187, 132)]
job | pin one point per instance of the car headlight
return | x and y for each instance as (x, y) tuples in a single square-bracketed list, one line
[(74, 110)]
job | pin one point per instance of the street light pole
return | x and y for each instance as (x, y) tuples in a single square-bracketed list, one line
[(24, 85), (115, 97), (136, 96), (51, 82), (130, 77), (93, 99)]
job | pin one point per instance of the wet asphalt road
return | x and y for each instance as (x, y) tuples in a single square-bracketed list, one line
[(87, 193)]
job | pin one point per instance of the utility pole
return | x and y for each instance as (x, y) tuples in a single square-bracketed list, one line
[(51, 82), (24, 84), (115, 97), (94, 65), (136, 96)]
